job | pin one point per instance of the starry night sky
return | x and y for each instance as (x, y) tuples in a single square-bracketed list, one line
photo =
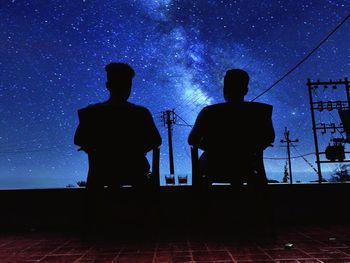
[(53, 53)]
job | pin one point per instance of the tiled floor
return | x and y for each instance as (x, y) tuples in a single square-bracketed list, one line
[(309, 245)]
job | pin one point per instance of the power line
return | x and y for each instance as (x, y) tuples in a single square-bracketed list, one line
[(29, 151), (193, 100), (27, 141), (305, 58), (285, 158), (186, 123), (267, 158), (332, 116), (190, 98), (313, 168)]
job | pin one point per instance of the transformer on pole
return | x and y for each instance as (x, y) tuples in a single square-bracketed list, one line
[(335, 152)]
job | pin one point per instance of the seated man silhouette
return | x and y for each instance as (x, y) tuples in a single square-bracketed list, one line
[(233, 135), (117, 134)]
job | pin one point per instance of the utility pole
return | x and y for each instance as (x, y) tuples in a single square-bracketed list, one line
[(288, 141), (169, 120), (340, 104)]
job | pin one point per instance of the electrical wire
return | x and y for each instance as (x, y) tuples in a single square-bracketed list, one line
[(334, 119), (192, 100), (28, 151), (313, 168), (261, 94), (305, 58), (186, 123), (285, 158)]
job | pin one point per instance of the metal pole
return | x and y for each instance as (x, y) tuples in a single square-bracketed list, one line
[(289, 141), (289, 160), (169, 123), (319, 172), (347, 87)]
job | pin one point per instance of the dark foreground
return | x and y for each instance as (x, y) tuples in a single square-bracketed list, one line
[(177, 225), (310, 244)]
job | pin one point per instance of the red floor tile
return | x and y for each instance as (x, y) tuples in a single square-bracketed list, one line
[(311, 245), (211, 255), (135, 258)]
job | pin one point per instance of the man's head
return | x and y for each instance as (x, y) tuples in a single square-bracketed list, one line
[(235, 84), (119, 80)]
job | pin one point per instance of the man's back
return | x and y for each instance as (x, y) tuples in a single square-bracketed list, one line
[(117, 138), (234, 137)]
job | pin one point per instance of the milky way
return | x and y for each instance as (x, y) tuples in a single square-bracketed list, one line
[(53, 53)]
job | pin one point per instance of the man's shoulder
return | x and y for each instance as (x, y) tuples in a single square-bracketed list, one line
[(248, 104), (259, 106), (90, 108), (214, 107), (139, 108), (217, 109), (106, 105)]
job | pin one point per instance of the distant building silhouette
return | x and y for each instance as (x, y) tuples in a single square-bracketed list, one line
[(233, 135), (117, 134)]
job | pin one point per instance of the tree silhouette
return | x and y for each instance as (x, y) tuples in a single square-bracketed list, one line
[(286, 174), (341, 173)]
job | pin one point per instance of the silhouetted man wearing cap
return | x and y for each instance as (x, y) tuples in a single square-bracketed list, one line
[(233, 135), (117, 134)]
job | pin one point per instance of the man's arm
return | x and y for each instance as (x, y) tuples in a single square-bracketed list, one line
[(196, 137), (82, 136), (79, 136), (269, 136), (153, 138)]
